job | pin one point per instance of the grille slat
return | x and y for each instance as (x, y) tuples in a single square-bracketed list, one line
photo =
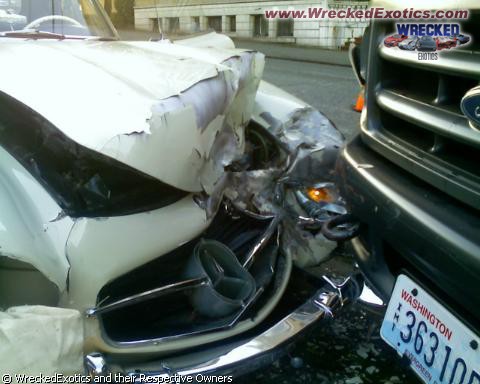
[(430, 117), (414, 117)]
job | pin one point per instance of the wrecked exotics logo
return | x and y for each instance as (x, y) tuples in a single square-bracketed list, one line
[(427, 39)]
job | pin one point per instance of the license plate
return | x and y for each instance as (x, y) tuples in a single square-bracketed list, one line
[(439, 347)]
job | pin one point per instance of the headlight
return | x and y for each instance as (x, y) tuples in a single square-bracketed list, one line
[(84, 183)]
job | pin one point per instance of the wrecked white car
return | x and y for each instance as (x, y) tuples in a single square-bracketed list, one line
[(158, 201)]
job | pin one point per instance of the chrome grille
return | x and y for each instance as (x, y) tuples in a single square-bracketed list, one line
[(413, 112), (171, 316)]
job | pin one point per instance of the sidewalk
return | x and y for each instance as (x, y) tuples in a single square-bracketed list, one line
[(296, 53), (270, 49)]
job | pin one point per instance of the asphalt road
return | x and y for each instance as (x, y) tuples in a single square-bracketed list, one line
[(330, 89), (348, 350)]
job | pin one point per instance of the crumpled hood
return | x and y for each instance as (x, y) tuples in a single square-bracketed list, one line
[(158, 107)]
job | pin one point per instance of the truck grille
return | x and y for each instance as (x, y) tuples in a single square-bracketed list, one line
[(414, 117)]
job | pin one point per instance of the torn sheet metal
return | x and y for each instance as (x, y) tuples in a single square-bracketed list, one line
[(311, 144), (41, 340), (116, 85), (306, 128), (147, 104), (198, 132)]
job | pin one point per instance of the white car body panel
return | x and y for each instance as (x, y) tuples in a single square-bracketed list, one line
[(29, 231), (146, 104), (276, 101), (90, 252), (100, 250), (33, 231), (158, 107), (207, 40), (91, 245)]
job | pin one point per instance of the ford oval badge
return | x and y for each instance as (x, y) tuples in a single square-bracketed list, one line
[(471, 107)]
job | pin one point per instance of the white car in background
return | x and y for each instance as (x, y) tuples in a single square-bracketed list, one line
[(11, 21)]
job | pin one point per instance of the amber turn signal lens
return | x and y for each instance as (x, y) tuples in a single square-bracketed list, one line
[(319, 194)]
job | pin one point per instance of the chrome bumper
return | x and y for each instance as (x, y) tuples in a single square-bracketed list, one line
[(269, 345)]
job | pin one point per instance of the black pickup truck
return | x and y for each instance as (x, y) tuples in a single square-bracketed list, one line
[(412, 178)]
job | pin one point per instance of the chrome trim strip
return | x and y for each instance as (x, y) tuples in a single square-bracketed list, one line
[(272, 227), (95, 365), (148, 295), (247, 305), (427, 116), (462, 62), (352, 51), (371, 299)]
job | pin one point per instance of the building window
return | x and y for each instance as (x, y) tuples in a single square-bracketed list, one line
[(157, 25), (215, 23), (285, 27), (232, 21), (196, 24), (260, 26), (173, 24)]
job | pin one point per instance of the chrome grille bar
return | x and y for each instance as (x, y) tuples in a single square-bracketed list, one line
[(427, 116)]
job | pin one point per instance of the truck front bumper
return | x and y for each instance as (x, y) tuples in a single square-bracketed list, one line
[(410, 227)]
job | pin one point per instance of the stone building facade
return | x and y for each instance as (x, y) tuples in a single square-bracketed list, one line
[(245, 19)]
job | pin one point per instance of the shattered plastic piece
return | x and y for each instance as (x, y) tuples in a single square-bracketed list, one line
[(371, 370), (362, 352), (354, 380), (253, 190), (319, 194), (307, 128), (41, 340), (311, 144), (319, 211)]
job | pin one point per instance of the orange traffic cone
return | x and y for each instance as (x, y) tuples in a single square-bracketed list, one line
[(360, 101)]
